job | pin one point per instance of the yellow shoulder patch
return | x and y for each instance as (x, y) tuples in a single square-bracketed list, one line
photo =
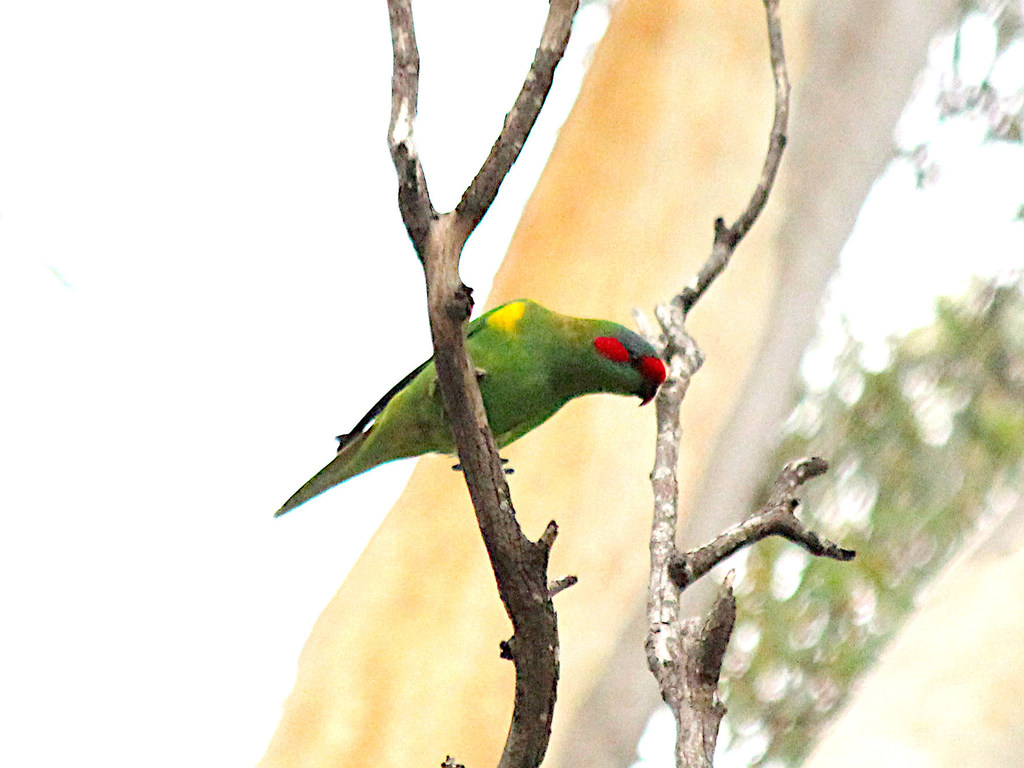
[(507, 317)]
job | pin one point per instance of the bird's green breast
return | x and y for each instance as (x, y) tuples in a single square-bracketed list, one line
[(520, 385), (515, 350), (531, 361)]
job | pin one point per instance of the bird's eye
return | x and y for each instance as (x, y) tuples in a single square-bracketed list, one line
[(611, 348)]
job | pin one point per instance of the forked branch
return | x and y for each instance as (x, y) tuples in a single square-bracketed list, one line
[(776, 518), (685, 655), (520, 565)]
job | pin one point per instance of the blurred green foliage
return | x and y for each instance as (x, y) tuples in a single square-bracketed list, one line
[(921, 453)]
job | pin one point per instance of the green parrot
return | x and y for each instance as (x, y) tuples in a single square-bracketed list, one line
[(530, 362)]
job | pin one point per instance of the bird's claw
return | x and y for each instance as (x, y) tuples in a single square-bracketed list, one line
[(506, 470)]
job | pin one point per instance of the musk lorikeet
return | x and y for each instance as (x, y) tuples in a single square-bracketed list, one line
[(530, 362)]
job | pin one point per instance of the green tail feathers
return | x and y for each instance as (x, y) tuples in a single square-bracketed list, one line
[(348, 463)]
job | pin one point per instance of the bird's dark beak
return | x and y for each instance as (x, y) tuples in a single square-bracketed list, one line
[(650, 389)]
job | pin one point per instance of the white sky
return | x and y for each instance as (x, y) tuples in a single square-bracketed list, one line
[(203, 278), (912, 244)]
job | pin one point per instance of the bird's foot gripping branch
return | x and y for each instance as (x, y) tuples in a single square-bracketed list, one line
[(536, 361), (519, 564)]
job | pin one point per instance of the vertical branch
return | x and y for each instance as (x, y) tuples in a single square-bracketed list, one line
[(519, 564), (685, 656), (662, 595), (413, 198)]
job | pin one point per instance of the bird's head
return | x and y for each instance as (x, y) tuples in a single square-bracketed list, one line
[(634, 362)]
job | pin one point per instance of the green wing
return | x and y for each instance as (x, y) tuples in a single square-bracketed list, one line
[(362, 426)]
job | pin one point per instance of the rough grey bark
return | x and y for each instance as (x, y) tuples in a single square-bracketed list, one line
[(519, 564), (685, 654)]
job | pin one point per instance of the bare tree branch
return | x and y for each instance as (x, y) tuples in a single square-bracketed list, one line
[(520, 565), (685, 656), (520, 119), (679, 347), (413, 198), (681, 350), (687, 668), (727, 238), (776, 518)]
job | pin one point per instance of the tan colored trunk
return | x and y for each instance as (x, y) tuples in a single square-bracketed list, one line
[(669, 132)]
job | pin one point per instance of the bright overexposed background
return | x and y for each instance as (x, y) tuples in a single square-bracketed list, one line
[(203, 279)]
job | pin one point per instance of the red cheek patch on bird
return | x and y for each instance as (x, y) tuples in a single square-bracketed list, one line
[(611, 348), (653, 369)]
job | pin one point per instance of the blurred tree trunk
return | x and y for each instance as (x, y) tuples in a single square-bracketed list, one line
[(668, 132), (861, 62), (947, 693)]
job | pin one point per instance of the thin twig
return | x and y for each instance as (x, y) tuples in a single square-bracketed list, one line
[(521, 117), (520, 565), (562, 584), (776, 518), (727, 238)]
